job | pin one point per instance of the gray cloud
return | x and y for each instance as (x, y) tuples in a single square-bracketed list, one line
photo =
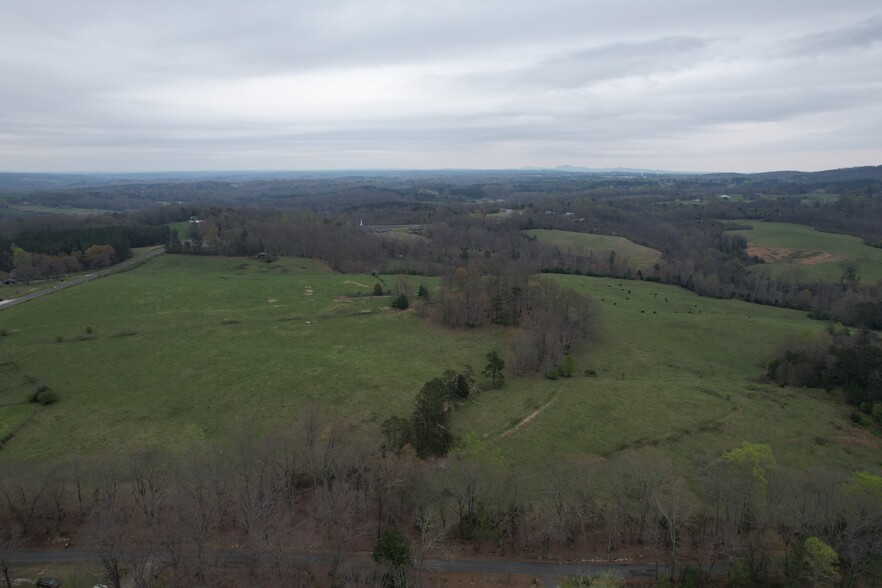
[(594, 65), (859, 35), (343, 84)]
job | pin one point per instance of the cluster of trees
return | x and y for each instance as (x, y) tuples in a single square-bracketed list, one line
[(835, 358), (248, 232), (428, 429), (36, 255), (26, 267), (549, 319), (556, 322), (121, 238), (151, 514)]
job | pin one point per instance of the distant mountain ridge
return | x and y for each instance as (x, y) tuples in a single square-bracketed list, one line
[(845, 174), (866, 172), (24, 183), (604, 170)]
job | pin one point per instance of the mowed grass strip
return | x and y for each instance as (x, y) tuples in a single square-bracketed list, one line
[(810, 253), (627, 252)]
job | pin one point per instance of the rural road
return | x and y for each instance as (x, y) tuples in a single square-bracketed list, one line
[(120, 267), (549, 573)]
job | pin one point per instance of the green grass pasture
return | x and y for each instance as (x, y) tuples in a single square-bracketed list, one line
[(678, 374), (810, 253), (186, 349), (635, 255), (181, 228)]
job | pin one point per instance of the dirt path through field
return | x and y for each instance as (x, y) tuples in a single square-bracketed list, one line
[(532, 416), (360, 285)]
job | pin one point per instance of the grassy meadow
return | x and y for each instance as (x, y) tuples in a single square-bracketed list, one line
[(810, 253), (12, 210), (627, 252), (680, 375), (186, 349), (181, 228)]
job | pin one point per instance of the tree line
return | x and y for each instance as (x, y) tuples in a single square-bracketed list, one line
[(835, 359), (159, 517), (34, 255)]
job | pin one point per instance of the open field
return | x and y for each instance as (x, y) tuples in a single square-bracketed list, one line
[(810, 253), (681, 375), (627, 251), (13, 417), (181, 229), (14, 209), (405, 235), (187, 349)]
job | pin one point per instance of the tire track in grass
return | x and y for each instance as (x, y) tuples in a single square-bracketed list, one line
[(526, 420)]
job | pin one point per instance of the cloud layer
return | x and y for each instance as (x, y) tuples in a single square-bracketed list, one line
[(681, 85)]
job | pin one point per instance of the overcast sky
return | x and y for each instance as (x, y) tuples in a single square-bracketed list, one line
[(167, 85)]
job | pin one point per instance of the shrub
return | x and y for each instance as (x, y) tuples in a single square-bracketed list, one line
[(567, 367), (378, 289), (393, 547), (401, 302), (44, 395)]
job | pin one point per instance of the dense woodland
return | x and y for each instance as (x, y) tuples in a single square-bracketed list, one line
[(315, 486)]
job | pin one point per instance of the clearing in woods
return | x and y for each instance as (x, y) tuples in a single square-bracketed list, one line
[(628, 253), (810, 253)]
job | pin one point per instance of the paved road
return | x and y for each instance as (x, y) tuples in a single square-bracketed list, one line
[(120, 267), (549, 573)]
